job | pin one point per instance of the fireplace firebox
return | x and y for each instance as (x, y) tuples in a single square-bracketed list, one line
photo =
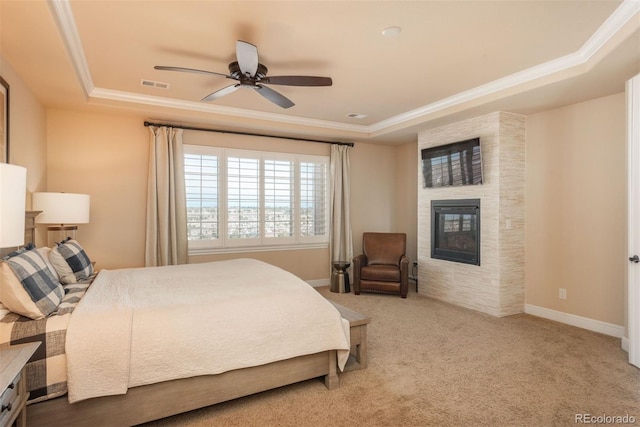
[(455, 230)]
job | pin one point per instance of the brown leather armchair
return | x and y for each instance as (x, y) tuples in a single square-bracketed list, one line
[(384, 266)]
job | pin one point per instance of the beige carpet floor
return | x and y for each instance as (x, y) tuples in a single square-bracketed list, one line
[(434, 364)]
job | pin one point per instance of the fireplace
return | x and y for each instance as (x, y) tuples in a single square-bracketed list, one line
[(455, 230)]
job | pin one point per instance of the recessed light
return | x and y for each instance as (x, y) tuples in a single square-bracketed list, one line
[(391, 31), (356, 116)]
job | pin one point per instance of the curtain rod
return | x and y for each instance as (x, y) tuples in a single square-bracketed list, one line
[(147, 124)]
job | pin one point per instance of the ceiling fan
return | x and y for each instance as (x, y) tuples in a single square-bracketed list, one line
[(251, 74)]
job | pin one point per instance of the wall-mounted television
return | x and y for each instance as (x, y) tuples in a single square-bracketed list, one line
[(459, 163)]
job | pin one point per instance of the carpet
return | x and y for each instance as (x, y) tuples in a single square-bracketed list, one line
[(435, 364)]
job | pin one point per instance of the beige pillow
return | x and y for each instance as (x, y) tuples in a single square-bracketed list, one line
[(3, 310), (44, 253)]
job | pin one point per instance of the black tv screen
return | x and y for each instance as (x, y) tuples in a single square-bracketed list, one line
[(459, 163)]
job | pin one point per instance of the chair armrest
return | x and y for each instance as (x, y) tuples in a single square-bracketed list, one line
[(358, 262)]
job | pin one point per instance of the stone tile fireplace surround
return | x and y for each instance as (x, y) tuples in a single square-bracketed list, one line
[(496, 286)]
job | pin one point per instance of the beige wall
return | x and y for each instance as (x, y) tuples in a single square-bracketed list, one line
[(405, 196), (104, 156), (27, 138), (373, 189), (576, 209)]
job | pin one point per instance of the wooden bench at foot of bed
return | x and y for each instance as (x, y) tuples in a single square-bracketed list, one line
[(358, 328), (155, 401)]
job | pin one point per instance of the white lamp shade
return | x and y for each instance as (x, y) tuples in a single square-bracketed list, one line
[(61, 208), (13, 189)]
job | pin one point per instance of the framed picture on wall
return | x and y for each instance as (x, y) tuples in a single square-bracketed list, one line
[(4, 121)]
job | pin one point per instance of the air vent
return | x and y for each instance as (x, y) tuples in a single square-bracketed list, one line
[(356, 116), (151, 83)]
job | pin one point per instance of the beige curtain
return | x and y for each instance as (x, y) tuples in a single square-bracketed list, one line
[(166, 239), (341, 243)]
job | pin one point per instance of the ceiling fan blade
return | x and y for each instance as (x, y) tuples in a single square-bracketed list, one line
[(274, 96), (247, 56), (298, 80), (220, 93), (190, 70)]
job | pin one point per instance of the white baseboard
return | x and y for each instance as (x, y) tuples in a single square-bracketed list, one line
[(573, 320), (319, 282), (625, 344)]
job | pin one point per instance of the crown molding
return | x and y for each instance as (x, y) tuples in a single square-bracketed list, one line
[(63, 15), (202, 107), (613, 24), (65, 20)]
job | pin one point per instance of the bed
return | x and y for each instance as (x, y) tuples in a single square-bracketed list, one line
[(130, 377)]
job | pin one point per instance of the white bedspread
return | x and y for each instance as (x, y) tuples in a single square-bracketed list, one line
[(146, 325)]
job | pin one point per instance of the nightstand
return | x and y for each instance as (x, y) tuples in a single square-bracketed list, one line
[(13, 386)]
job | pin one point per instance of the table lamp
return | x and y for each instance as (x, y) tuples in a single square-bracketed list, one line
[(62, 212)]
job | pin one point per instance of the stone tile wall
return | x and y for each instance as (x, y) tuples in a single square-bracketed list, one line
[(496, 286)]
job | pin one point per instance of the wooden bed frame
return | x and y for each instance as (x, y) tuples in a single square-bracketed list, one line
[(155, 401)]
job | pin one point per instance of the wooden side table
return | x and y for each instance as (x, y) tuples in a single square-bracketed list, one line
[(13, 383)]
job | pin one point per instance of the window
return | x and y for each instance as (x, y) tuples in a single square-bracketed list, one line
[(313, 178), (238, 199), (201, 173), (243, 199), (278, 198)]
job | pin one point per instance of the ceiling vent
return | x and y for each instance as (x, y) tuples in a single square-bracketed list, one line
[(356, 116), (151, 83)]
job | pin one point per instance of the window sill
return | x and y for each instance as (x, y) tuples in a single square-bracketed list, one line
[(264, 248)]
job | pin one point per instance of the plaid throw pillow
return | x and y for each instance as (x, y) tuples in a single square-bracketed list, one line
[(36, 292), (71, 261), (27, 247)]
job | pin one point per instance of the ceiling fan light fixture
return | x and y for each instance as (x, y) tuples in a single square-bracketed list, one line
[(249, 73), (391, 31)]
